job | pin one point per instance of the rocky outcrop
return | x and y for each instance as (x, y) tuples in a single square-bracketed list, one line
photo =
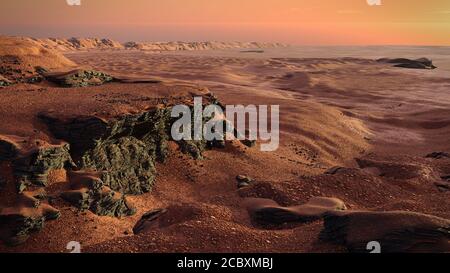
[(124, 149), (267, 211), (79, 78), (27, 216), (90, 193), (422, 63), (106, 141), (32, 160), (396, 231)]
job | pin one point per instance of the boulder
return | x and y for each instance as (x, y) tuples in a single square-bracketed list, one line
[(422, 63), (243, 181), (334, 170), (167, 217), (438, 155)]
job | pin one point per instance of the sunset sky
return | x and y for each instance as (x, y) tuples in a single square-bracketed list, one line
[(304, 22)]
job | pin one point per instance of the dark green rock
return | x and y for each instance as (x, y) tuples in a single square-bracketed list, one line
[(27, 216), (194, 148), (32, 161), (32, 168), (90, 193), (127, 164), (79, 78)]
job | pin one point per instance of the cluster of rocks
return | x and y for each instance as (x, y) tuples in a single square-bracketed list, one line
[(13, 70), (105, 158), (88, 192), (25, 217), (79, 78), (32, 160), (4, 81)]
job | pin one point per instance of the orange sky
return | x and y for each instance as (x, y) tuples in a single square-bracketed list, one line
[(325, 22)]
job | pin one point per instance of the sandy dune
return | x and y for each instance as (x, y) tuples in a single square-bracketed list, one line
[(374, 123)]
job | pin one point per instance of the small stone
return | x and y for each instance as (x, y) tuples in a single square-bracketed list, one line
[(243, 181)]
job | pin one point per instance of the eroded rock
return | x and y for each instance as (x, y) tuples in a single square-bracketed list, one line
[(421, 63), (443, 186), (166, 217), (4, 81), (32, 159), (27, 216), (243, 181), (124, 150), (79, 78), (396, 231), (90, 193), (334, 170), (194, 148), (438, 155)]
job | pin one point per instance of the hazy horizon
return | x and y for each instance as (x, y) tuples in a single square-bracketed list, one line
[(296, 22)]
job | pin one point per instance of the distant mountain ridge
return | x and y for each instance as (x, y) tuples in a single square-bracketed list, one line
[(77, 44)]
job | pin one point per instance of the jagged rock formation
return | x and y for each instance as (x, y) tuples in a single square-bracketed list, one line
[(79, 78), (396, 231), (90, 193), (26, 217), (267, 211), (32, 160), (125, 149), (422, 63)]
